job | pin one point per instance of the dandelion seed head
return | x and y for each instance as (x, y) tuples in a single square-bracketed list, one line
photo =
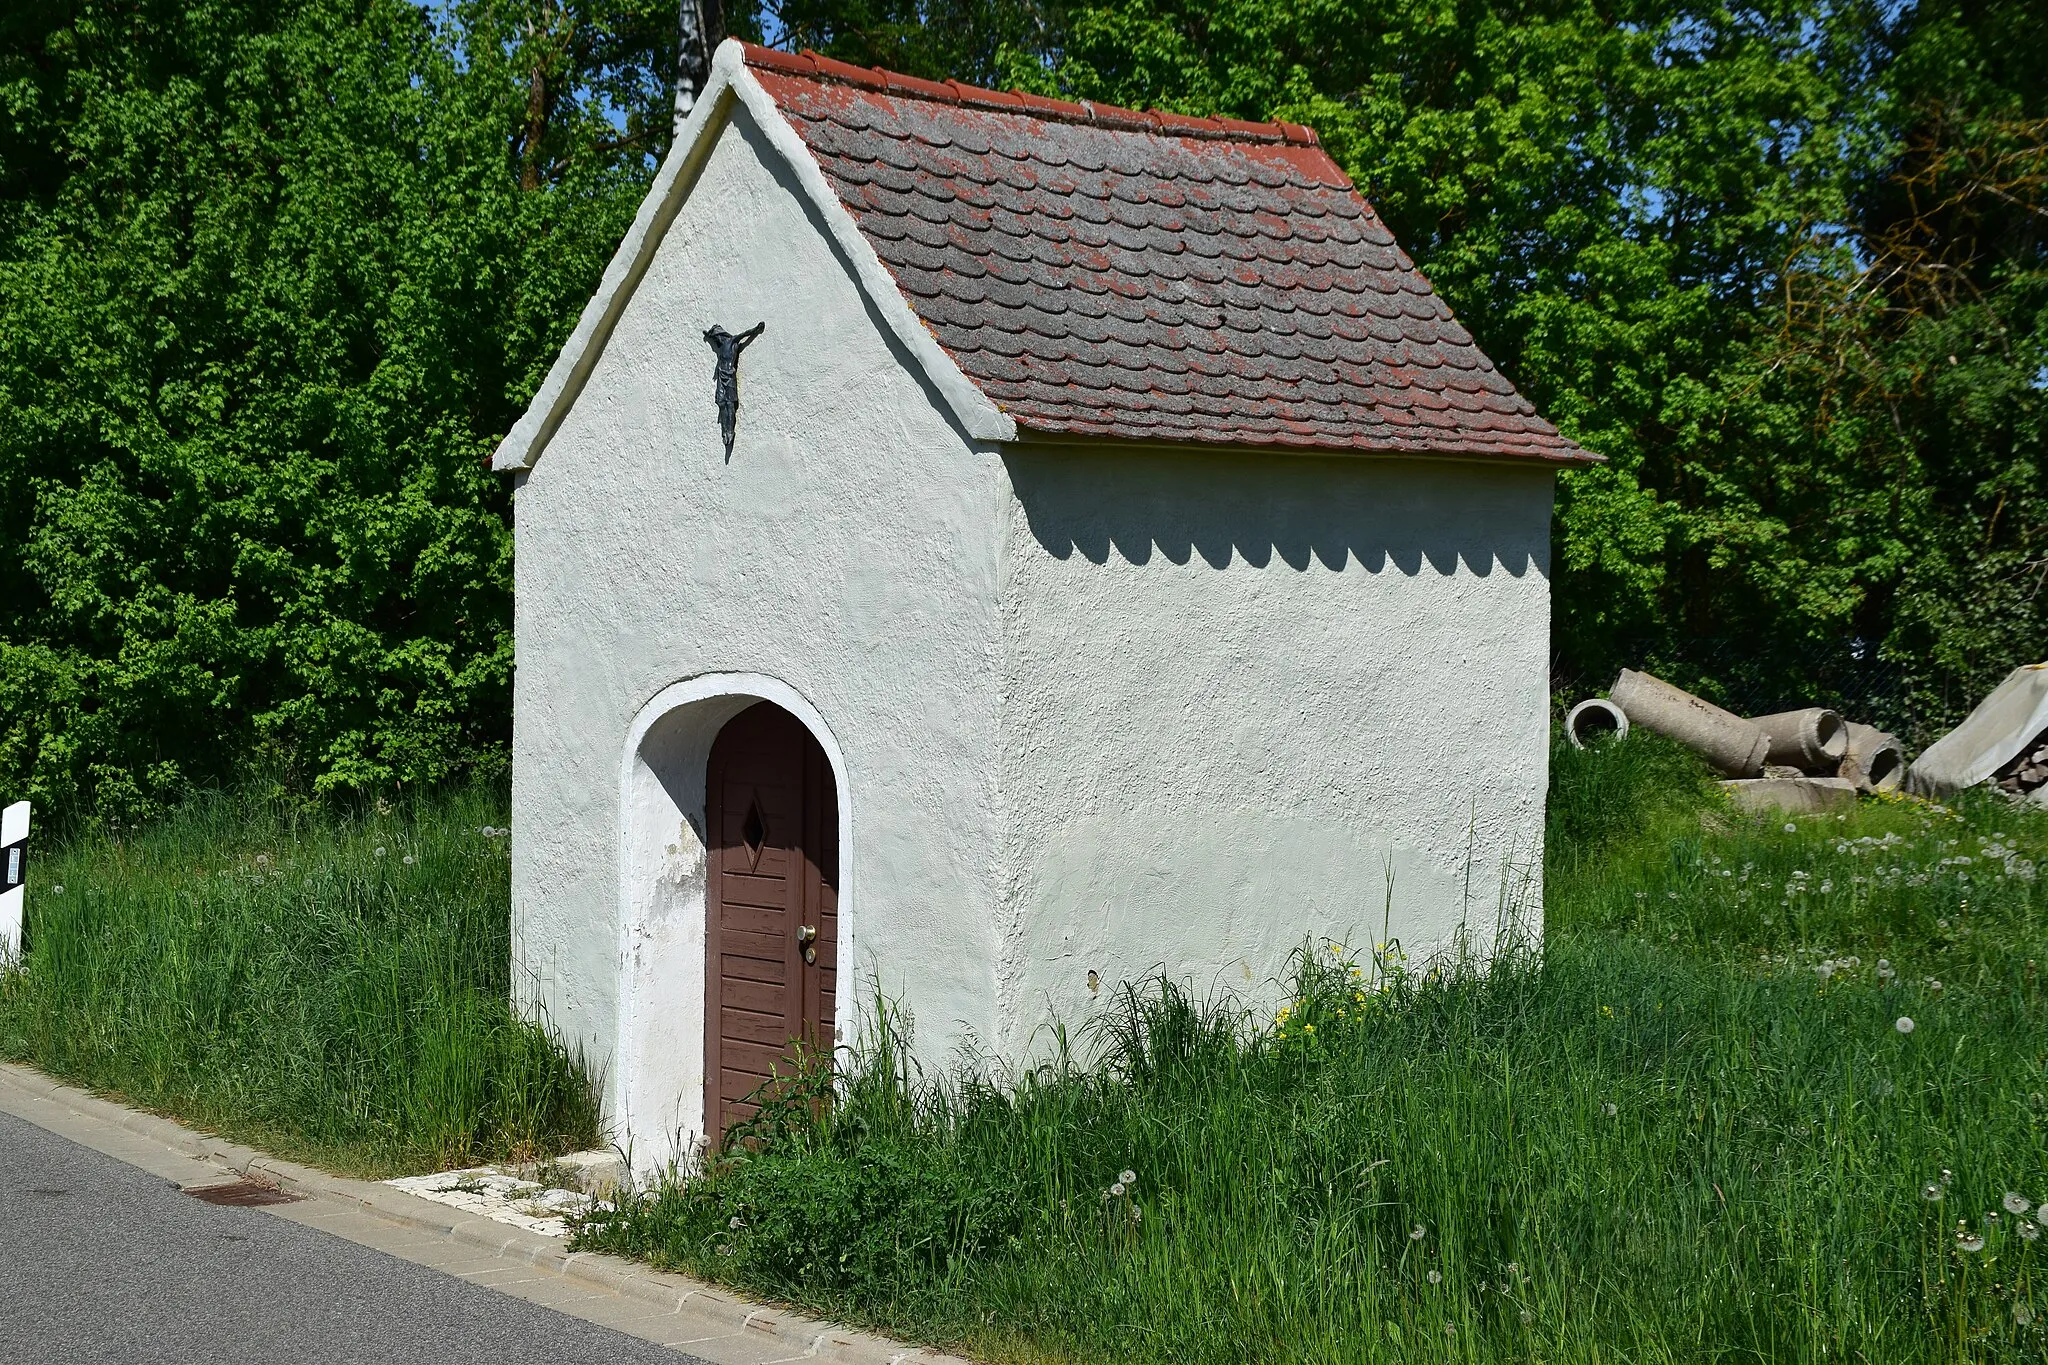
[(408, 860), (2029, 1232), (1791, 828), (1931, 1192), (2015, 1203), (1528, 1317), (1128, 1178), (1971, 1242), (1434, 1277), (2022, 1315), (735, 1223), (1904, 1025), (1116, 1191), (1608, 1109), (380, 850), (57, 890), (1416, 1234)]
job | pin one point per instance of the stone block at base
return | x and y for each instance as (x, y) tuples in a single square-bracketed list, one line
[(1791, 795)]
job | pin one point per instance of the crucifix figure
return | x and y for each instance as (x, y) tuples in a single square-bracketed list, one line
[(727, 375)]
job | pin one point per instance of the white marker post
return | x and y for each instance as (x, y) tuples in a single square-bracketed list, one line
[(13, 872)]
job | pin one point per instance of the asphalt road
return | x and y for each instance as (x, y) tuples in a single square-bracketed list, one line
[(100, 1262)]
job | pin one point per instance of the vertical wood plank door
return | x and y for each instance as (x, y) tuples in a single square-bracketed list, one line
[(773, 814)]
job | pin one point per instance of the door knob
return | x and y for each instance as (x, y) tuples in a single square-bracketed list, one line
[(806, 937)]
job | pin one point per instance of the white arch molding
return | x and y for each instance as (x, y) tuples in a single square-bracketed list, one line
[(657, 1085)]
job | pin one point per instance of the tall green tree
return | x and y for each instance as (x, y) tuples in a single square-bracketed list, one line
[(274, 278), (964, 40), (1931, 347)]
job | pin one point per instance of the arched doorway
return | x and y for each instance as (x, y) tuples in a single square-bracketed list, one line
[(772, 907)]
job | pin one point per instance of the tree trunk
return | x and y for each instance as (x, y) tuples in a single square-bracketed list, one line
[(536, 126)]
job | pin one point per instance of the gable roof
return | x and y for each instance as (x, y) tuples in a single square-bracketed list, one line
[(1076, 270), (1099, 272)]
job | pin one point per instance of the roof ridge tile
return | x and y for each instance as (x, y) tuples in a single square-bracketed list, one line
[(819, 67)]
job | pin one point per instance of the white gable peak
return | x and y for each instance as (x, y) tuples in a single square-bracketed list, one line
[(731, 82)]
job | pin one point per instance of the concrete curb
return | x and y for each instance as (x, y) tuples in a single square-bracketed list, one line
[(80, 1116)]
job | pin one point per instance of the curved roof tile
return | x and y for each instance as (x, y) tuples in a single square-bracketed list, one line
[(1108, 273)]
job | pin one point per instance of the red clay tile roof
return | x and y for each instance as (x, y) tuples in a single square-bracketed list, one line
[(1100, 272)]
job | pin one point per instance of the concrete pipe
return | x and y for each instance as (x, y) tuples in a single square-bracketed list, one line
[(1593, 717), (1874, 760), (1729, 742), (1811, 740)]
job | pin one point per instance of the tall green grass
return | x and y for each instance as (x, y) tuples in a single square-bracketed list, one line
[(332, 986), (1686, 1126)]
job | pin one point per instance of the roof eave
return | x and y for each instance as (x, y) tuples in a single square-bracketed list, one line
[(1578, 457)]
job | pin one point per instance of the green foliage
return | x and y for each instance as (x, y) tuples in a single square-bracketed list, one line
[(330, 986), (1616, 796), (844, 1196), (964, 40), (1689, 1129), (274, 278)]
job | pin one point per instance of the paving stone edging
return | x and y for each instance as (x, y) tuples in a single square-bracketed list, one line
[(661, 1290)]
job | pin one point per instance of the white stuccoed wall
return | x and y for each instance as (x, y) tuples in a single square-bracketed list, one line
[(1238, 691), (1089, 708), (848, 552)]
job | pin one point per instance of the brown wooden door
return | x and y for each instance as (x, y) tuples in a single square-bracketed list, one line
[(773, 814)]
